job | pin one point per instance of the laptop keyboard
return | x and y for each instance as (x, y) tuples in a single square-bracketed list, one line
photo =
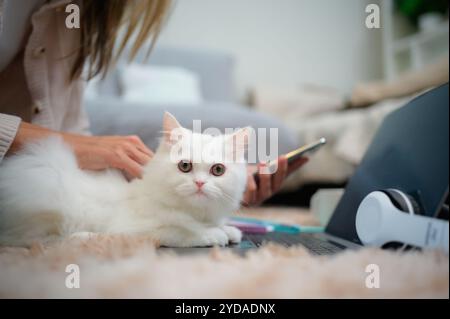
[(315, 245)]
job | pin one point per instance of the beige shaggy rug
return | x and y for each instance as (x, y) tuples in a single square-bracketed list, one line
[(130, 267)]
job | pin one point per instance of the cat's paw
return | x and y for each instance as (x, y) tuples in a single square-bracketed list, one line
[(234, 234), (214, 237)]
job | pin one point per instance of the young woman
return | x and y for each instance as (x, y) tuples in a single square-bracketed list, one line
[(41, 84)]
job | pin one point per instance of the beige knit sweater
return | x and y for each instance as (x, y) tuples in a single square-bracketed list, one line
[(34, 85)]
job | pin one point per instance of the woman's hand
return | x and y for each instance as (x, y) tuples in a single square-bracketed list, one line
[(127, 153), (268, 184)]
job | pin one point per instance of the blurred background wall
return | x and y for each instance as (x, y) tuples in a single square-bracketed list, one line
[(282, 42)]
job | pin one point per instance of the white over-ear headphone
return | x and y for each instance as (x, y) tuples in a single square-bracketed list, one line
[(381, 220)]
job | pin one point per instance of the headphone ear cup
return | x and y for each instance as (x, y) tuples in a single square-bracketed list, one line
[(399, 200), (417, 208), (406, 204)]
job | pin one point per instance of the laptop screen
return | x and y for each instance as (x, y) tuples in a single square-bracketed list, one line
[(409, 152)]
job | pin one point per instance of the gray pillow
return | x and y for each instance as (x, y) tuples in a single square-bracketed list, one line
[(113, 117)]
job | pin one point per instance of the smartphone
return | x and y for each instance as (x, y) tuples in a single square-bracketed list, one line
[(299, 152), (304, 150)]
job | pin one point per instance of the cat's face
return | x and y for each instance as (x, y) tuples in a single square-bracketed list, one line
[(203, 171)]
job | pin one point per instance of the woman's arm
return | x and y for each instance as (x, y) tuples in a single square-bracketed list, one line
[(8, 129), (127, 153)]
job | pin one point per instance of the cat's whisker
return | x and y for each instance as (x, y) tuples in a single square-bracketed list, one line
[(226, 196), (184, 188), (242, 200), (216, 194)]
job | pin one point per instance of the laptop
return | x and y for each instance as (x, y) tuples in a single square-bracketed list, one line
[(409, 152)]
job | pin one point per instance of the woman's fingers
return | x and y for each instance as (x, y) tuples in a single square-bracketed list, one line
[(130, 166), (252, 188), (127, 153), (250, 192), (270, 183), (265, 186), (137, 155), (280, 175), (297, 164), (140, 145)]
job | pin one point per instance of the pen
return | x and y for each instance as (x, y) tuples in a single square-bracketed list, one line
[(251, 228), (294, 229)]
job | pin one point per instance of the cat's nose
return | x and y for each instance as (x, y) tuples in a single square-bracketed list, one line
[(199, 184)]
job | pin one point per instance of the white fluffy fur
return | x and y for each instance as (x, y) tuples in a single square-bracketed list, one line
[(45, 196)]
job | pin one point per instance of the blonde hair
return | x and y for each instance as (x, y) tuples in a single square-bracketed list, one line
[(100, 24)]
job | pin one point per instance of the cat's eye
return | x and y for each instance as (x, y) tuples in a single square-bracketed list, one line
[(185, 166), (218, 169)]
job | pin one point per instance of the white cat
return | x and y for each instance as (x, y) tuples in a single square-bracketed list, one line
[(180, 203)]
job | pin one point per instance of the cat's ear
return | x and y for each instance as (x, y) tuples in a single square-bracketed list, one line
[(170, 127), (237, 143), (170, 122)]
